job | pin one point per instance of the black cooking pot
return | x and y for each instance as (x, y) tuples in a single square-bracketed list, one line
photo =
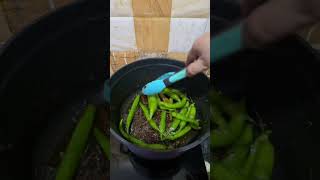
[(133, 77), (282, 85), (44, 70)]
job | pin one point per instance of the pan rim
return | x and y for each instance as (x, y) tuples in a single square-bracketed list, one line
[(129, 68)]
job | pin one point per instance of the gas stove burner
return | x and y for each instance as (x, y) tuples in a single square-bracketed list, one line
[(152, 168), (155, 169), (189, 166)]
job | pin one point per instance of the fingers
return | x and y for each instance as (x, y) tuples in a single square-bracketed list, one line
[(192, 55), (196, 67), (273, 20), (199, 48)]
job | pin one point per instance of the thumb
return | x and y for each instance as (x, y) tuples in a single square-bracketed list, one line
[(196, 67)]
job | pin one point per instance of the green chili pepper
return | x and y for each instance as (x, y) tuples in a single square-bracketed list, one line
[(176, 121), (249, 164), (226, 136), (183, 118), (151, 122), (188, 114), (140, 142), (246, 137), (217, 118), (264, 161), (236, 157), (177, 105), (171, 94), (103, 141), (179, 134), (76, 146), (165, 108), (176, 91), (219, 172), (195, 126), (186, 105), (132, 111), (170, 100), (153, 105), (193, 112), (167, 101), (162, 126)]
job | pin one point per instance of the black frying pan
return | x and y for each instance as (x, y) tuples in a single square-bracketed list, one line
[(47, 70), (282, 86), (133, 77)]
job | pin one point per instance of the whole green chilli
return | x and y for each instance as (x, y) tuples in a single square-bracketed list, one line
[(140, 142), (264, 161), (217, 118), (76, 146), (176, 121), (236, 157), (103, 141), (246, 137), (132, 111), (162, 125), (184, 118), (179, 134), (176, 105), (193, 111), (189, 115), (226, 136), (219, 172), (249, 164), (176, 91), (171, 94), (184, 123), (151, 122), (153, 105)]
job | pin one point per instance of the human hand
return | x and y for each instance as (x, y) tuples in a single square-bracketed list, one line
[(198, 59), (277, 18)]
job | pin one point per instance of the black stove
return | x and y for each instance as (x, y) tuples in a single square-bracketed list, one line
[(125, 165)]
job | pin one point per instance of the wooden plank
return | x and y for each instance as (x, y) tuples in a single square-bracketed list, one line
[(151, 8), (61, 3), (5, 32), (152, 34), (178, 56), (122, 58), (22, 12)]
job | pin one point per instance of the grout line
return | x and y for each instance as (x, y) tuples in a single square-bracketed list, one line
[(125, 58)]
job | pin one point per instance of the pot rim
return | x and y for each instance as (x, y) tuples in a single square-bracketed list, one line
[(118, 75)]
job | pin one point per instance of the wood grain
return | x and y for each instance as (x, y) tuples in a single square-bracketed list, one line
[(178, 56), (152, 33), (5, 32), (61, 3), (151, 8), (22, 12), (120, 59)]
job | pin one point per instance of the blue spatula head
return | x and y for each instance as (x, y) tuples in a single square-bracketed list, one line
[(153, 87), (156, 86)]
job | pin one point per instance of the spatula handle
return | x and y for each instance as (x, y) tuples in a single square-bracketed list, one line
[(176, 77), (226, 43)]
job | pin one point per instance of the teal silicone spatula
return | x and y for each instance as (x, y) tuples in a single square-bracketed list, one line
[(222, 45), (156, 86)]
